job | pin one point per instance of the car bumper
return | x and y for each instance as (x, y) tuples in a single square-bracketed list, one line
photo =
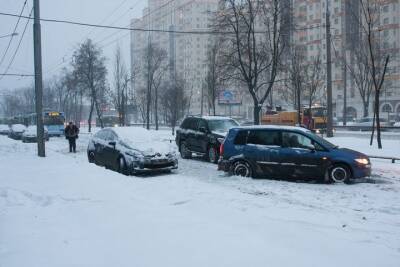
[(362, 171), (223, 165), (149, 167)]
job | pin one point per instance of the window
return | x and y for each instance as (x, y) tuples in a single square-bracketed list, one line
[(240, 138), (202, 124), (266, 138), (101, 135), (296, 140)]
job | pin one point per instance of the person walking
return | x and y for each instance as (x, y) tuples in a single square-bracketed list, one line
[(71, 133)]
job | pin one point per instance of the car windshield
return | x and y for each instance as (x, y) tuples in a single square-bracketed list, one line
[(322, 141), (221, 125), (53, 120)]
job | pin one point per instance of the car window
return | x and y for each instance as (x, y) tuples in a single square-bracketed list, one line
[(221, 125), (100, 134), (296, 140), (203, 124), (112, 136), (193, 124), (267, 138), (185, 124), (241, 138)]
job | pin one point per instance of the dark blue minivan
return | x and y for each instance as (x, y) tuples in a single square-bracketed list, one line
[(292, 153)]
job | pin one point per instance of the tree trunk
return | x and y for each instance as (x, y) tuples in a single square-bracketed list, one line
[(90, 116), (256, 114), (378, 123), (156, 106), (148, 104)]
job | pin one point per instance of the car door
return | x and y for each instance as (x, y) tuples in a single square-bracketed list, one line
[(299, 159), (110, 152), (191, 132), (202, 137), (99, 141), (262, 150)]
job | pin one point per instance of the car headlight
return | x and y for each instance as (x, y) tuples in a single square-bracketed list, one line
[(363, 161)]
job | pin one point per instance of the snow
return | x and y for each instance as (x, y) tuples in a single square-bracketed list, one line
[(62, 211), (4, 127), (279, 127), (210, 118), (31, 131), (18, 128), (148, 141)]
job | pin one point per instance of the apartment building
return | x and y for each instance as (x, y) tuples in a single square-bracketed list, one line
[(309, 20), (187, 53)]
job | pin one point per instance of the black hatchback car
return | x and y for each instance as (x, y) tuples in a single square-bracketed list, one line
[(203, 136), (131, 150)]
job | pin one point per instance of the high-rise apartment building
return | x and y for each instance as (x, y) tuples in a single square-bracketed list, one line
[(187, 53), (309, 21)]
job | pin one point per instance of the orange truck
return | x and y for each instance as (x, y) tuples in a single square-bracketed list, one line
[(313, 119)]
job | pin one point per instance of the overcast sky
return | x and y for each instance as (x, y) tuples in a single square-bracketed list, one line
[(59, 40)]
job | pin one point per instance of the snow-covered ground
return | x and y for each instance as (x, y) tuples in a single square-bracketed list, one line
[(62, 211)]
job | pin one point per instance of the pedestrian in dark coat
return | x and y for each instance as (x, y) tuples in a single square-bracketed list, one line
[(71, 133)]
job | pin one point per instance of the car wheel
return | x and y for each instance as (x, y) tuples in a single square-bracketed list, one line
[(122, 167), (339, 173), (91, 157), (212, 154), (185, 153), (241, 168)]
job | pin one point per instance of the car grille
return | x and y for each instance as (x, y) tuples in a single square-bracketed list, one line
[(158, 164)]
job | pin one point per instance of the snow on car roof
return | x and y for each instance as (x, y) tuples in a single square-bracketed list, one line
[(4, 127), (280, 127), (133, 133), (216, 118), (18, 127)]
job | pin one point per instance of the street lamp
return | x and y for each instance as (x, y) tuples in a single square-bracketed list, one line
[(9, 35)]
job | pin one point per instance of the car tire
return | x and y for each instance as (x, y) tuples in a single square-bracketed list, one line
[(91, 157), (185, 153), (241, 168), (212, 154), (122, 167), (339, 173)]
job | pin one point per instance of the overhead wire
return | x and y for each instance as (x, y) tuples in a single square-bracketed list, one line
[(19, 45), (12, 36)]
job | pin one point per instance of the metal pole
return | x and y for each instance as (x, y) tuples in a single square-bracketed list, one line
[(38, 79), (329, 129), (345, 89)]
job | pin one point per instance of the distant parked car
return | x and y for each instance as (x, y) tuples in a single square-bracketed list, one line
[(30, 134), (131, 150), (366, 123), (203, 135), (283, 152), (4, 129), (396, 124), (16, 131)]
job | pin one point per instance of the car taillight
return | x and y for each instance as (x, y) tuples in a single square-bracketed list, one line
[(221, 149)]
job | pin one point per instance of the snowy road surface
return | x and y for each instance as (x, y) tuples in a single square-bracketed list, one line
[(63, 211)]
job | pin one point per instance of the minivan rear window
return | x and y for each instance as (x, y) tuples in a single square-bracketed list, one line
[(266, 138), (240, 138)]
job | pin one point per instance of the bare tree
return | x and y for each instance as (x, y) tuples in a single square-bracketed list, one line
[(370, 21), (212, 78), (89, 68), (174, 101), (252, 53), (313, 80), (155, 68), (119, 92)]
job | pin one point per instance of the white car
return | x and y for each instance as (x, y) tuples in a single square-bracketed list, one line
[(366, 123), (30, 134), (16, 131), (4, 129)]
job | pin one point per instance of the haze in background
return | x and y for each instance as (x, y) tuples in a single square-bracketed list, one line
[(59, 40)]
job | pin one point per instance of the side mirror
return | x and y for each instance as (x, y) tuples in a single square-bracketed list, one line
[(203, 130), (311, 148), (112, 143)]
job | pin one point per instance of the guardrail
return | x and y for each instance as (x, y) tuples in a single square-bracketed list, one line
[(393, 159), (366, 128)]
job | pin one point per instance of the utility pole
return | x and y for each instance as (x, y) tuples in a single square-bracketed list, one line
[(37, 46), (345, 89), (329, 128)]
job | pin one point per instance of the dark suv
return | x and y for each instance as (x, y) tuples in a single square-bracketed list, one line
[(284, 152), (203, 135)]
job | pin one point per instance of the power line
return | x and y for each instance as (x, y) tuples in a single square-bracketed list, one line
[(19, 45), (198, 32), (17, 74), (12, 37)]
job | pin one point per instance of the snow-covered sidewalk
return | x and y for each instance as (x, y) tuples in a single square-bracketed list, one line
[(63, 211)]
